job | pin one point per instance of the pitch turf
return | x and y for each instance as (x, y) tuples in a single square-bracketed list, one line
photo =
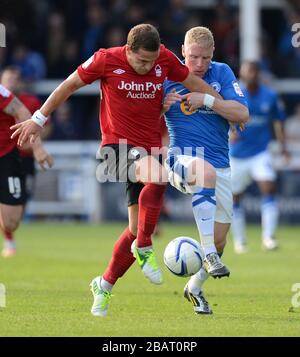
[(48, 294)]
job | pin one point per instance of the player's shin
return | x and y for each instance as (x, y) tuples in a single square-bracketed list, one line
[(150, 204), (196, 281), (9, 247), (8, 235), (121, 260), (238, 228), (269, 217), (204, 209)]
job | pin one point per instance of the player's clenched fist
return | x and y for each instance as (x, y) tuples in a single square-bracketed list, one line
[(195, 100)]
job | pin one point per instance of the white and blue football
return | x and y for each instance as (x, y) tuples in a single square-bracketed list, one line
[(183, 256)]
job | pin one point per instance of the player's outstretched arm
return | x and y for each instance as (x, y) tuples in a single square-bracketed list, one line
[(279, 132), (40, 154), (196, 84), (231, 110), (21, 114), (31, 128), (17, 110)]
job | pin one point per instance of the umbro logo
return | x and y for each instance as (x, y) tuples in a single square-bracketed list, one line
[(119, 71)]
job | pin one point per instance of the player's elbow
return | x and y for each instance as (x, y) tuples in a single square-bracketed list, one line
[(74, 82), (67, 87), (241, 114), (244, 115), (70, 85), (22, 114)]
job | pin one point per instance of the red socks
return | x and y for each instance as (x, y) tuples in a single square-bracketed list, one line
[(8, 235), (122, 257), (150, 203)]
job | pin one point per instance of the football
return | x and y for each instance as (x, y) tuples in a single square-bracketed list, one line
[(183, 256)]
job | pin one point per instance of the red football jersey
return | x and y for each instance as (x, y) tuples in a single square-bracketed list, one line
[(31, 102), (131, 103), (163, 126), (6, 121)]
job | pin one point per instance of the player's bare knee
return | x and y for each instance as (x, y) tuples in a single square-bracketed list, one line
[(133, 218), (209, 175), (209, 179), (133, 229), (10, 225), (201, 173), (195, 173)]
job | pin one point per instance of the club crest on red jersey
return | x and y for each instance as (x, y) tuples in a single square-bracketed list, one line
[(158, 71)]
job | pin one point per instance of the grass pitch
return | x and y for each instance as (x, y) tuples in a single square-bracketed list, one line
[(47, 287)]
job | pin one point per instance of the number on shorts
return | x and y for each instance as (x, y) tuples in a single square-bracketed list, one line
[(14, 185)]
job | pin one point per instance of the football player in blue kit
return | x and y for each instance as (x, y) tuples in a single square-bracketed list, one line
[(198, 162), (250, 158)]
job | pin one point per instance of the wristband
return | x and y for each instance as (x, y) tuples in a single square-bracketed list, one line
[(39, 118), (208, 100)]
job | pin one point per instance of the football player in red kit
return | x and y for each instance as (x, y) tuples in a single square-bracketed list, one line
[(132, 79), (12, 180), (11, 80)]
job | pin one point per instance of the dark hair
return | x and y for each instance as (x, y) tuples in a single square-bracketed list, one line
[(143, 36)]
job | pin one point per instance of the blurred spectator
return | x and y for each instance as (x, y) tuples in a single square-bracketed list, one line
[(115, 36), (134, 14), (101, 23), (63, 124), (231, 43), (94, 35), (289, 56), (173, 24), (117, 8), (192, 20), (292, 126), (265, 62), (3, 56), (68, 32), (56, 41), (221, 27), (31, 63), (68, 61)]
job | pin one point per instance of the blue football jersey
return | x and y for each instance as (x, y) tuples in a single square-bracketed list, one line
[(264, 107), (203, 128)]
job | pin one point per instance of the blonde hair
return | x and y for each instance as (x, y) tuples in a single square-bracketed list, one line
[(202, 36)]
